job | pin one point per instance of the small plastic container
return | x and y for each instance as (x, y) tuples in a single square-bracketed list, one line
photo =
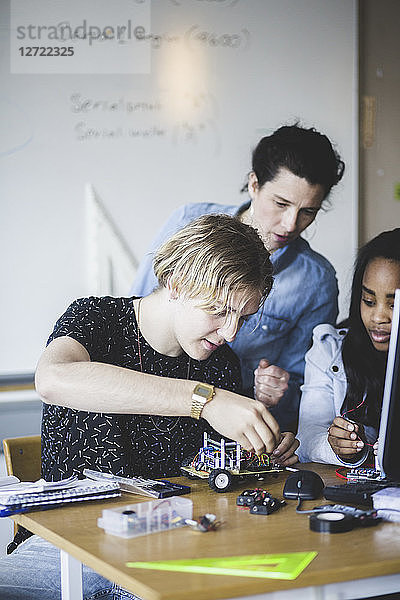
[(142, 518)]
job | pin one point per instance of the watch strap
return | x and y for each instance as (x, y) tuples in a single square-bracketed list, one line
[(202, 393)]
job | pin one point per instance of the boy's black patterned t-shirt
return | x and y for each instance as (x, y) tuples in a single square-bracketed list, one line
[(126, 445)]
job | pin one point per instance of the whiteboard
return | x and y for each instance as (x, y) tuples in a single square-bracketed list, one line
[(222, 73)]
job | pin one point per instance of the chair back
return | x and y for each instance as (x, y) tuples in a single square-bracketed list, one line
[(23, 457)]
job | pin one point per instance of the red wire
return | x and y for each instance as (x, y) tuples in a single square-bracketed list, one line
[(351, 410), (339, 474)]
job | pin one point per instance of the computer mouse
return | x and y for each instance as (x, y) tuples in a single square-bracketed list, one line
[(303, 484)]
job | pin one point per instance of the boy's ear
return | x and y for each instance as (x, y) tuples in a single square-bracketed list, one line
[(253, 184), (171, 291)]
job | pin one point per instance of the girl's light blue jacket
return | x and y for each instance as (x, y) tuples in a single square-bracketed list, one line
[(323, 392)]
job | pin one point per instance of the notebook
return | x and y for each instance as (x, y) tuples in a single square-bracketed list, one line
[(8, 480), (13, 502)]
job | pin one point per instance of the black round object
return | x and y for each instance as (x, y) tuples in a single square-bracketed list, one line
[(331, 522), (220, 480)]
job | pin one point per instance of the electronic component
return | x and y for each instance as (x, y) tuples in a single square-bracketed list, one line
[(266, 504), (247, 497), (221, 461), (142, 518), (139, 485), (357, 492), (364, 474), (260, 502), (207, 522), (389, 428)]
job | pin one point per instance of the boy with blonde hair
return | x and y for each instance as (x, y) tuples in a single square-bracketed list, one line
[(130, 385)]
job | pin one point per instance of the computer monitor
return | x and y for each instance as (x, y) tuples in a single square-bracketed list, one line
[(389, 430)]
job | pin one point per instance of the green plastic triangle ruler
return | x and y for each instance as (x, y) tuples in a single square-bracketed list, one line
[(276, 566)]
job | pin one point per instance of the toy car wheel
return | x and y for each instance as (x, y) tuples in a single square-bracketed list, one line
[(220, 480)]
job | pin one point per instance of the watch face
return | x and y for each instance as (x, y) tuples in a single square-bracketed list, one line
[(202, 390)]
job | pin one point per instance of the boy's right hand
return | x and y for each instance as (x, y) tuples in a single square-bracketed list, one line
[(345, 437), (244, 420)]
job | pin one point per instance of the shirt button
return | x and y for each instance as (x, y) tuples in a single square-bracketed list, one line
[(264, 327), (335, 368)]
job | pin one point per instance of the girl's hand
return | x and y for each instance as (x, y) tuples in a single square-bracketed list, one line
[(345, 437), (376, 448), (284, 454)]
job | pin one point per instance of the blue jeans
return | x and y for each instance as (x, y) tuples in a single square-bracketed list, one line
[(33, 572)]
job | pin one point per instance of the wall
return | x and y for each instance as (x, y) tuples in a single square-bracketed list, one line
[(380, 117), (223, 73)]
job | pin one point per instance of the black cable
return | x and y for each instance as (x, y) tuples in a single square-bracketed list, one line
[(299, 503)]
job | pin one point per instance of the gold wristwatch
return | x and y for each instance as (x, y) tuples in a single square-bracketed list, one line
[(202, 393)]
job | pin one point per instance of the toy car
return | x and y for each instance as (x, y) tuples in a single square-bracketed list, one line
[(221, 461)]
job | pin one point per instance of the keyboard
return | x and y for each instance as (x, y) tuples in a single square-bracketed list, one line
[(356, 493)]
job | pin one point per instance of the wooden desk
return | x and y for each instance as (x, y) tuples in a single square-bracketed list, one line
[(356, 555)]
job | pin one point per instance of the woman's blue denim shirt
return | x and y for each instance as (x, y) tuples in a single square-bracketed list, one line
[(304, 294)]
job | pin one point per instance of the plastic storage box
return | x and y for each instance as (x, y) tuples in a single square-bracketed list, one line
[(142, 518)]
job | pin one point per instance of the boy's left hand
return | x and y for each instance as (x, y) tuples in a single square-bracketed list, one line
[(270, 383)]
